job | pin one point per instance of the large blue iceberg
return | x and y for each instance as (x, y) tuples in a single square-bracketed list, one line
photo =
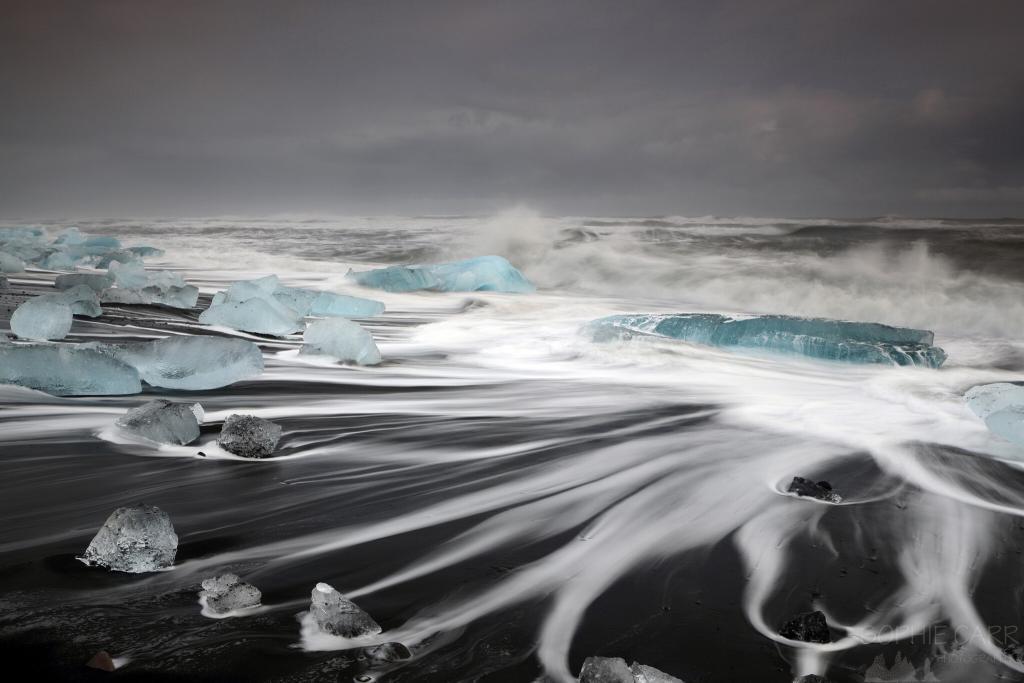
[(480, 274), (265, 306), (66, 370), (1001, 406), (837, 340)]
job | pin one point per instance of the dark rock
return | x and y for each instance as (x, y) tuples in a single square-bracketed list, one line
[(821, 490), (606, 670), (249, 436), (102, 661), (809, 627)]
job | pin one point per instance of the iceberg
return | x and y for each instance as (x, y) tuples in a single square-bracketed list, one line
[(81, 298), (837, 340), (256, 315), (335, 614), (164, 422), (340, 339), (1001, 406), (66, 370), (189, 363), (614, 670), (42, 319), (10, 263), (94, 281), (228, 593), (249, 436), (480, 274), (135, 540), (265, 306)]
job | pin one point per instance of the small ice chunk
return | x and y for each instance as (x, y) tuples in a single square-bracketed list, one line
[(58, 260), (70, 236), (134, 539), (174, 297), (10, 263), (337, 615), (42, 319), (648, 674), (1001, 406), (340, 339), (480, 274), (131, 275), (227, 593), (82, 300), (249, 436), (162, 421), (256, 315), (387, 653), (94, 281), (191, 363), (120, 256), (605, 670), (66, 370)]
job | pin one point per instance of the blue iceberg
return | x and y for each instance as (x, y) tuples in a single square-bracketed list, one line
[(10, 263), (838, 340), (42, 319), (66, 370), (189, 363), (1001, 406), (94, 281), (480, 274), (136, 285), (340, 339), (257, 315)]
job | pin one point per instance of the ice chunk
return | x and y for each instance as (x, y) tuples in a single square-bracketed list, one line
[(174, 297), (387, 653), (82, 300), (122, 256), (1001, 406), (190, 363), (480, 274), (144, 251), (94, 281), (66, 370), (70, 235), (337, 615), (10, 263), (135, 540), (249, 436), (340, 339), (814, 337), (227, 593), (57, 260), (330, 304), (131, 275), (42, 319), (164, 422), (648, 674), (256, 314), (605, 670)]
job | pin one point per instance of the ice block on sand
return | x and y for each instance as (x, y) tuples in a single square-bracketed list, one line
[(66, 370), (337, 615), (190, 363), (1001, 406), (257, 315), (42, 319), (226, 593), (838, 340), (164, 422), (341, 340), (135, 540), (480, 274)]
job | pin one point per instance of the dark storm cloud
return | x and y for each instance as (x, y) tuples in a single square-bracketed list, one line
[(759, 107)]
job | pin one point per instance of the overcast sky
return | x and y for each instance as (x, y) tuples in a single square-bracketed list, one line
[(761, 107)]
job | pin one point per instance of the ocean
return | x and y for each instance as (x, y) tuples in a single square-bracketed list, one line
[(507, 497)]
